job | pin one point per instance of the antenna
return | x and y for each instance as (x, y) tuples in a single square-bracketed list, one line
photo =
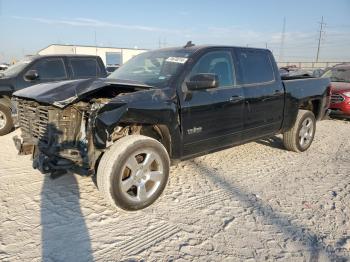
[(320, 38), (283, 36)]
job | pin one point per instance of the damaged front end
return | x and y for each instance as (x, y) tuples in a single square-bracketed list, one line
[(58, 139), (67, 126)]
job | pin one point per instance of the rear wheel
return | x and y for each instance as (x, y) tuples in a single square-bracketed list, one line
[(133, 173), (6, 123), (300, 137)]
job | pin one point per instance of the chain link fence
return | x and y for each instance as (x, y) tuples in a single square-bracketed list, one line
[(309, 65)]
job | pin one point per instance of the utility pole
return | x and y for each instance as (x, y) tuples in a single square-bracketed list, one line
[(95, 43), (320, 38), (283, 36)]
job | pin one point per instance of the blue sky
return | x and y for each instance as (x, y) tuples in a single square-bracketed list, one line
[(28, 26)]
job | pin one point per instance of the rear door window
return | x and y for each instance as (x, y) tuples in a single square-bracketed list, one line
[(256, 66), (85, 67), (50, 69)]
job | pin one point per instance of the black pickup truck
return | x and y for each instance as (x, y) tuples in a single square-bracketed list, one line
[(162, 107), (38, 69)]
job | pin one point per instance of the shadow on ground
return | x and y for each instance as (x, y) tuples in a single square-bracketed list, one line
[(312, 244), (274, 142), (65, 236)]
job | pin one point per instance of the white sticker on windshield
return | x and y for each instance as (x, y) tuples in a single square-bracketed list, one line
[(180, 60)]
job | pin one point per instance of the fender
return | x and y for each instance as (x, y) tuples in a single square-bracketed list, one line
[(149, 107)]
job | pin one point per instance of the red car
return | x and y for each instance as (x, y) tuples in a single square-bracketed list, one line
[(340, 78)]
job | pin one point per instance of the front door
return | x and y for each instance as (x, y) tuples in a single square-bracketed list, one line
[(49, 69), (212, 118)]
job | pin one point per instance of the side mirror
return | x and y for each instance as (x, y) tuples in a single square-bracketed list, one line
[(31, 75), (203, 81)]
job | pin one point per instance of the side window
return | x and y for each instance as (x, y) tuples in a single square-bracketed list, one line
[(216, 62), (85, 67), (256, 66), (50, 69)]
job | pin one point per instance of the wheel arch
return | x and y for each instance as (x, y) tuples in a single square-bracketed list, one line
[(314, 106)]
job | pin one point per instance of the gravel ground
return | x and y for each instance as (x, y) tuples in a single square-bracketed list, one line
[(255, 202)]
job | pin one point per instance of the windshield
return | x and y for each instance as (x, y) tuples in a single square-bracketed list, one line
[(155, 68), (338, 74), (13, 70)]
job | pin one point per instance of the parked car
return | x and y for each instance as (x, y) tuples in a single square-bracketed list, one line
[(42, 69), (162, 107), (3, 67), (340, 78), (111, 68)]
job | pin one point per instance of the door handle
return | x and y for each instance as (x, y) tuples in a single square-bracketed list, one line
[(235, 99)]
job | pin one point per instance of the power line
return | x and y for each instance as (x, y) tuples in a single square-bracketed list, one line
[(319, 39)]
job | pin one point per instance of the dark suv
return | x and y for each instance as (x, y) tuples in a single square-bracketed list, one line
[(42, 69)]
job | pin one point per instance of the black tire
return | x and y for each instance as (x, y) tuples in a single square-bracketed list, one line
[(113, 167), (5, 115), (292, 139)]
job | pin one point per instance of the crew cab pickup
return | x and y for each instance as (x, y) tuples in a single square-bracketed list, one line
[(42, 69), (162, 107)]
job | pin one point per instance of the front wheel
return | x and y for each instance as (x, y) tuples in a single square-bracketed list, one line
[(300, 137), (133, 173), (6, 123)]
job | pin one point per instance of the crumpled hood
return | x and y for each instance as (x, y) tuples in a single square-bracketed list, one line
[(64, 93)]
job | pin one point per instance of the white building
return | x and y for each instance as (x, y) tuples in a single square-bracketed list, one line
[(109, 55)]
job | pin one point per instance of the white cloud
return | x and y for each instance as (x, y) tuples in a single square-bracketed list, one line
[(87, 22)]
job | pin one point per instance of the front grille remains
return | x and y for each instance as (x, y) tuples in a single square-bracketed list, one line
[(43, 123), (33, 119), (337, 98)]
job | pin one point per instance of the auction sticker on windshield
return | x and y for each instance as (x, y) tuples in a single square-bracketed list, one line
[(180, 60)]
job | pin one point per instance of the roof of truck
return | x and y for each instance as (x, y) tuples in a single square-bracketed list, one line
[(195, 48), (62, 55)]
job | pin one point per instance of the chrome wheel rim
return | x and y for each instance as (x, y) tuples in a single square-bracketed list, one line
[(3, 120), (142, 175), (306, 132)]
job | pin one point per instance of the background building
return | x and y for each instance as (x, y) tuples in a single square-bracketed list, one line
[(109, 55)]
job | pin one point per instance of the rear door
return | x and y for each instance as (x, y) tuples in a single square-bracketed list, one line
[(212, 118), (85, 67), (263, 92)]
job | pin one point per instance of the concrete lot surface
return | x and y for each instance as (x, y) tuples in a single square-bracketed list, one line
[(255, 202)]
